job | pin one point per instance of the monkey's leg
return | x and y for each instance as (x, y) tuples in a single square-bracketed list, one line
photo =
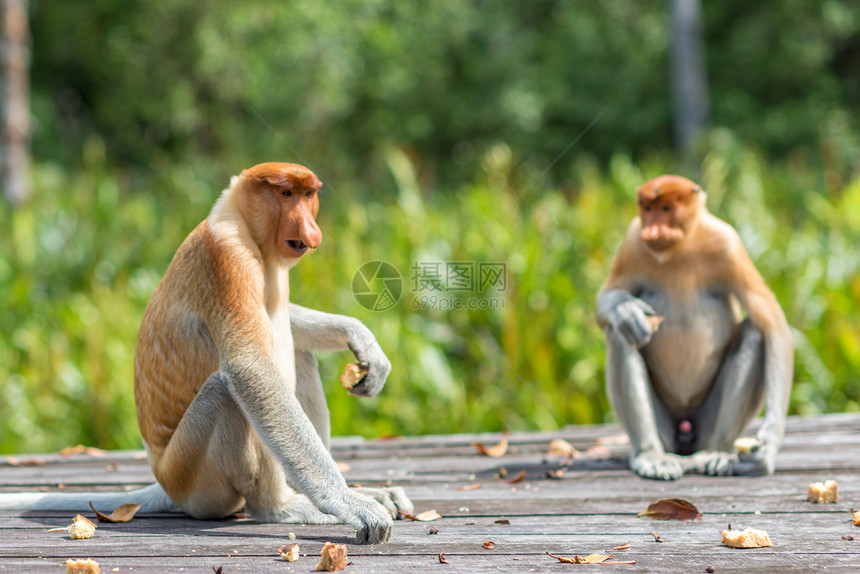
[(215, 463), (309, 390), (640, 411), (736, 398)]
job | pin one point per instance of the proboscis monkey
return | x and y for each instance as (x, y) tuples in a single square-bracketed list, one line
[(229, 399), (689, 385)]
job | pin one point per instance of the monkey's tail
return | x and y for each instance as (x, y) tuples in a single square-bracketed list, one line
[(151, 498)]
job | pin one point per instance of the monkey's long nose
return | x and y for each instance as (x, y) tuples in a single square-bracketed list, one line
[(309, 233)]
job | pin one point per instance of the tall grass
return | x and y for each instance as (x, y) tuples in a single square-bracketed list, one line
[(79, 262)]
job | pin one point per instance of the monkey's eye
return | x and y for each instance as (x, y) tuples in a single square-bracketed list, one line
[(665, 208), (287, 193), (647, 208), (308, 194)]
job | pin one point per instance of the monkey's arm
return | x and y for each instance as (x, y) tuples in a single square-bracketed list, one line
[(317, 331), (765, 312)]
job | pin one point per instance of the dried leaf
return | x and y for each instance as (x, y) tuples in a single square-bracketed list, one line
[(442, 559), (81, 449), (218, 570), (503, 521), (562, 448), (590, 559), (495, 450), (433, 530), (425, 516), (556, 473), (620, 547), (12, 461), (671, 509), (598, 452), (489, 545), (475, 486), (518, 478), (846, 537), (855, 516), (657, 537), (122, 514)]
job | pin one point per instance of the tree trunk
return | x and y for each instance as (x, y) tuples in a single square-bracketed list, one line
[(689, 79), (14, 100)]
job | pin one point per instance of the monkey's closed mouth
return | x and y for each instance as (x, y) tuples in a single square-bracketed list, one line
[(297, 245)]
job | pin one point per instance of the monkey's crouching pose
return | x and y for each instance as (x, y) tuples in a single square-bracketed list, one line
[(685, 371), (229, 399)]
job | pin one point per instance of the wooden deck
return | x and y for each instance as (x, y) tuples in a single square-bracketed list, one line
[(591, 508)]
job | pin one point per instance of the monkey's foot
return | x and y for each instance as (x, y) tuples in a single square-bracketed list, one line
[(393, 498), (712, 462), (298, 509), (759, 462), (657, 465)]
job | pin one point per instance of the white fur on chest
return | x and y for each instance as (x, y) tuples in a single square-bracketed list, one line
[(277, 306)]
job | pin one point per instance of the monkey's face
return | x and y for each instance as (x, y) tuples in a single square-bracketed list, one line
[(667, 205), (297, 230), (286, 194)]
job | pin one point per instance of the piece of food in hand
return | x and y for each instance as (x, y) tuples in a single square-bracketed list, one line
[(86, 566), (289, 552), (332, 558), (81, 528), (352, 374), (655, 321), (823, 492), (746, 444), (749, 538)]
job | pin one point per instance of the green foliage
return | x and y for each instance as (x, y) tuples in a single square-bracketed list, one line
[(80, 261)]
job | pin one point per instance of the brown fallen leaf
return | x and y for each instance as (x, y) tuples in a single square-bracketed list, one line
[(671, 509), (489, 545), (433, 530), (855, 516), (81, 449), (475, 486), (518, 478), (122, 514), (495, 450), (503, 521), (442, 559), (621, 547), (425, 516), (590, 559), (12, 461), (848, 537), (556, 473), (657, 537)]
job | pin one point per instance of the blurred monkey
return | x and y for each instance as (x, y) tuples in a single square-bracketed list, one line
[(685, 372)]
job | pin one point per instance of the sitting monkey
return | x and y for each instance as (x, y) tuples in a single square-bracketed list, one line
[(685, 372), (229, 399)]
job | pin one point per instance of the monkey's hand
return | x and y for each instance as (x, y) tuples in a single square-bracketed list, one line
[(368, 352), (628, 315)]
